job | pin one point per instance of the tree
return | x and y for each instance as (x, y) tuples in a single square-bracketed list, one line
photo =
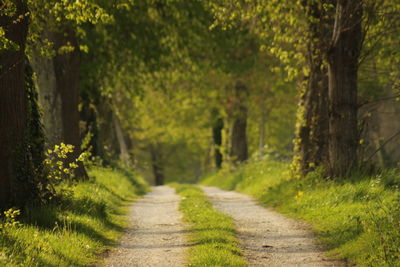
[(237, 114), (67, 86), (378, 85), (58, 69), (311, 142), (217, 128), (22, 174), (343, 62), (13, 98), (157, 163)]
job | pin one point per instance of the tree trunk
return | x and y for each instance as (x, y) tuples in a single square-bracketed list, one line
[(312, 133), (107, 143), (13, 100), (343, 59), (123, 148), (157, 164), (89, 121), (261, 131), (217, 141), (49, 96), (66, 65), (238, 150), (58, 83)]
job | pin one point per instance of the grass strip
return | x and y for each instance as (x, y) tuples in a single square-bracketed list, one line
[(211, 233), (86, 221), (357, 218)]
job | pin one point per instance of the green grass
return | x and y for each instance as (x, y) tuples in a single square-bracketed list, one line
[(357, 218), (212, 234), (254, 178), (88, 219)]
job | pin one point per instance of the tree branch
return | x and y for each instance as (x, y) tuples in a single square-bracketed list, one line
[(384, 144), (378, 100)]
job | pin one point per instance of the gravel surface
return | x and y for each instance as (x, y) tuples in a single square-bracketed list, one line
[(268, 238), (156, 236)]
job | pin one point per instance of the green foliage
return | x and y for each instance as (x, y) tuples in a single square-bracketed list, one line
[(74, 231), (8, 9), (56, 166), (281, 36), (356, 218), (60, 12), (10, 219), (6, 44), (178, 71), (211, 233)]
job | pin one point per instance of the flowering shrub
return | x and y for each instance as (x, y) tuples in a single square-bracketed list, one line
[(9, 219), (56, 162)]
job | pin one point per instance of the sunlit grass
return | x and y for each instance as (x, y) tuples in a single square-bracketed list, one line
[(88, 219), (252, 178), (357, 218), (212, 234)]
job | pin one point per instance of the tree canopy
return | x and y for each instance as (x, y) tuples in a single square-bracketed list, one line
[(169, 86)]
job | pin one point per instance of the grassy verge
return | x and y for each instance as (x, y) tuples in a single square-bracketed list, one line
[(357, 218), (88, 219), (211, 233)]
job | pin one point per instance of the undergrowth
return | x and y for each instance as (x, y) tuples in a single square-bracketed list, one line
[(357, 218), (211, 233), (72, 231)]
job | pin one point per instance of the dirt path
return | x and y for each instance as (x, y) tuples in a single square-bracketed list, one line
[(268, 238), (156, 237)]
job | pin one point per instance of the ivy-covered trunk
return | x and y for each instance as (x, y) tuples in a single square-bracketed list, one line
[(22, 176), (343, 58), (13, 99), (312, 133)]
